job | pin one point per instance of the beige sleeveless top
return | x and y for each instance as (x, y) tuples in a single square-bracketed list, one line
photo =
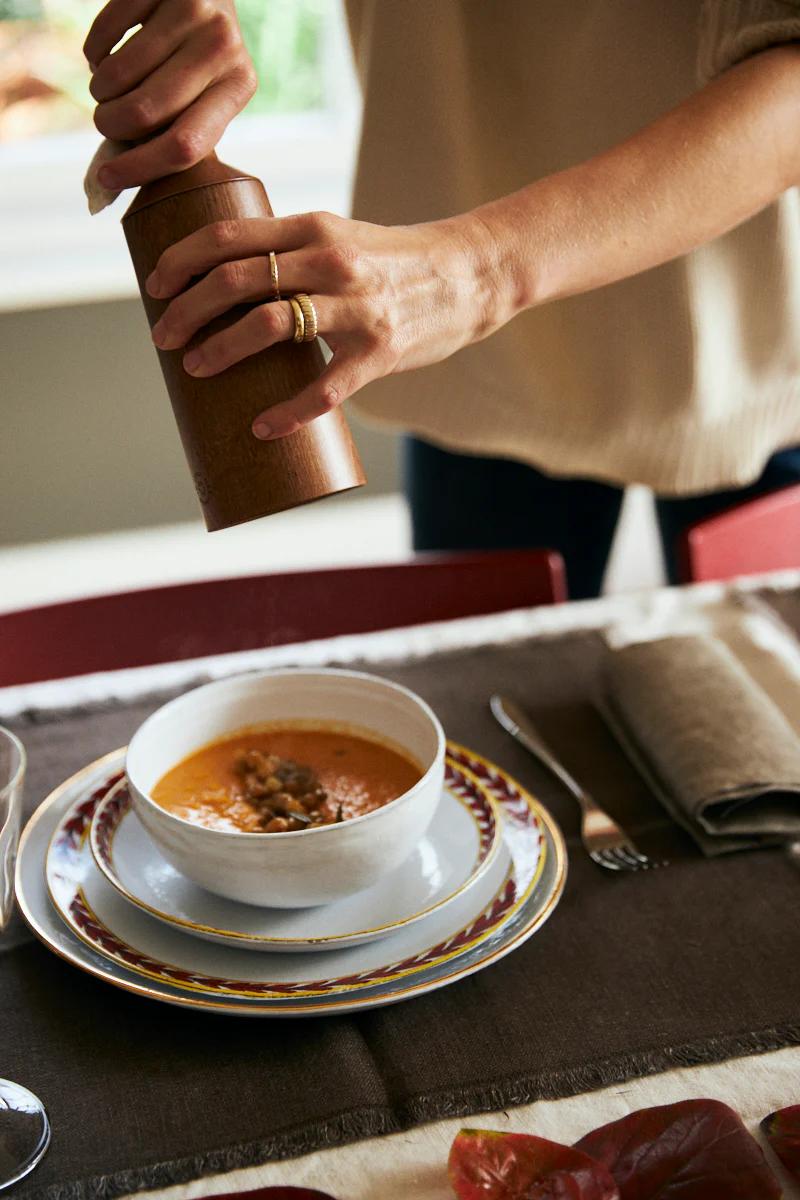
[(686, 377)]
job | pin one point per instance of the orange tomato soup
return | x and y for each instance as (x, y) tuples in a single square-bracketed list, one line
[(356, 773)]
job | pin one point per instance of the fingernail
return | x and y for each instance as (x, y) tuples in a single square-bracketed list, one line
[(262, 430), (193, 363), (163, 338), (108, 177), (153, 284)]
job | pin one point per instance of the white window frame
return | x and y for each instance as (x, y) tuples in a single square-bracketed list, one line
[(53, 253)]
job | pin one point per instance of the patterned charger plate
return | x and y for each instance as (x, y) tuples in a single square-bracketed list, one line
[(106, 936), (450, 859)]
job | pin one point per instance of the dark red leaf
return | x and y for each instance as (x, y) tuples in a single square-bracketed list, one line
[(782, 1129), (485, 1165), (693, 1150)]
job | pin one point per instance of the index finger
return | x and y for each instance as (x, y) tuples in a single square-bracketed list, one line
[(223, 241), (113, 22), (189, 138)]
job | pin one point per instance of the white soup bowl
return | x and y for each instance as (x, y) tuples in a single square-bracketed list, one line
[(306, 867)]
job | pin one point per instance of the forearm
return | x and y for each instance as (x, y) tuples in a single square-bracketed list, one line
[(698, 171), (392, 298)]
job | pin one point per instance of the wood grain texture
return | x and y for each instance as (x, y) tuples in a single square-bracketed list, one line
[(237, 477)]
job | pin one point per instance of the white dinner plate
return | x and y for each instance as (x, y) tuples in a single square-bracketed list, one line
[(130, 949), (458, 848)]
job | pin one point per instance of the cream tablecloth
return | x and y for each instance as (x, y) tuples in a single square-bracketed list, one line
[(413, 1164)]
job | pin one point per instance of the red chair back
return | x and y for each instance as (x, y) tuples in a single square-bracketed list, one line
[(758, 535), (218, 616)]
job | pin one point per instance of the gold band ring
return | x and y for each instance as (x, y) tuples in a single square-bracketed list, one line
[(309, 317), (273, 274), (299, 321)]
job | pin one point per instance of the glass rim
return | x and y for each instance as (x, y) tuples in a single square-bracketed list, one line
[(7, 788)]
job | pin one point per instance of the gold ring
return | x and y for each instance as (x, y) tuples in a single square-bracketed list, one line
[(309, 316), (299, 321), (273, 274)]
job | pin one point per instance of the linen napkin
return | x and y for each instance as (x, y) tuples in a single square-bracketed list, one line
[(716, 749)]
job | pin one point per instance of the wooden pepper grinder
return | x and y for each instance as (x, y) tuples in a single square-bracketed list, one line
[(237, 477)]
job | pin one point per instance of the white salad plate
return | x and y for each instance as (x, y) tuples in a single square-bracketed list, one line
[(456, 851), (76, 912)]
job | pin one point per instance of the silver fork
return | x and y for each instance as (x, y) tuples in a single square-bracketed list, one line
[(604, 841)]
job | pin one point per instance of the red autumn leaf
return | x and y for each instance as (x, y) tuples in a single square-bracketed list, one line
[(693, 1150), (485, 1165), (782, 1129)]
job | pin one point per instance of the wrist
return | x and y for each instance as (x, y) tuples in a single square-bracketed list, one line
[(488, 297), (509, 255)]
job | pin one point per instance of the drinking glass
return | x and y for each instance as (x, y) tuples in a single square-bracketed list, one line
[(24, 1127)]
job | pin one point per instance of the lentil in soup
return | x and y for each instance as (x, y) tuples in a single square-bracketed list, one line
[(281, 779)]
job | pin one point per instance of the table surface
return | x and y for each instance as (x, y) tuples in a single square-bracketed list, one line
[(413, 1163)]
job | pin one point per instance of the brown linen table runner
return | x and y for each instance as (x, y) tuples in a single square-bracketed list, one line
[(784, 603), (632, 974), (719, 752)]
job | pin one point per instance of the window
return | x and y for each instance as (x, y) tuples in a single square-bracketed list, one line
[(298, 134), (42, 78)]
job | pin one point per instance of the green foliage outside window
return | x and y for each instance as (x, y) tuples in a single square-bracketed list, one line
[(20, 10), (284, 38), (43, 76)]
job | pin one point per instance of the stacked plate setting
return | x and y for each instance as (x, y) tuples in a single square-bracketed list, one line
[(94, 887)]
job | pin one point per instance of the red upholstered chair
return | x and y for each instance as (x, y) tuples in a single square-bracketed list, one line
[(758, 535), (132, 629)]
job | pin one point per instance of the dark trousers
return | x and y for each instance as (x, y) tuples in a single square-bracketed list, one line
[(461, 502)]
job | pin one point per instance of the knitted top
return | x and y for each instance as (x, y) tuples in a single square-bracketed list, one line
[(685, 377)]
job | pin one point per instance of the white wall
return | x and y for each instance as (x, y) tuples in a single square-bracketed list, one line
[(88, 441)]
